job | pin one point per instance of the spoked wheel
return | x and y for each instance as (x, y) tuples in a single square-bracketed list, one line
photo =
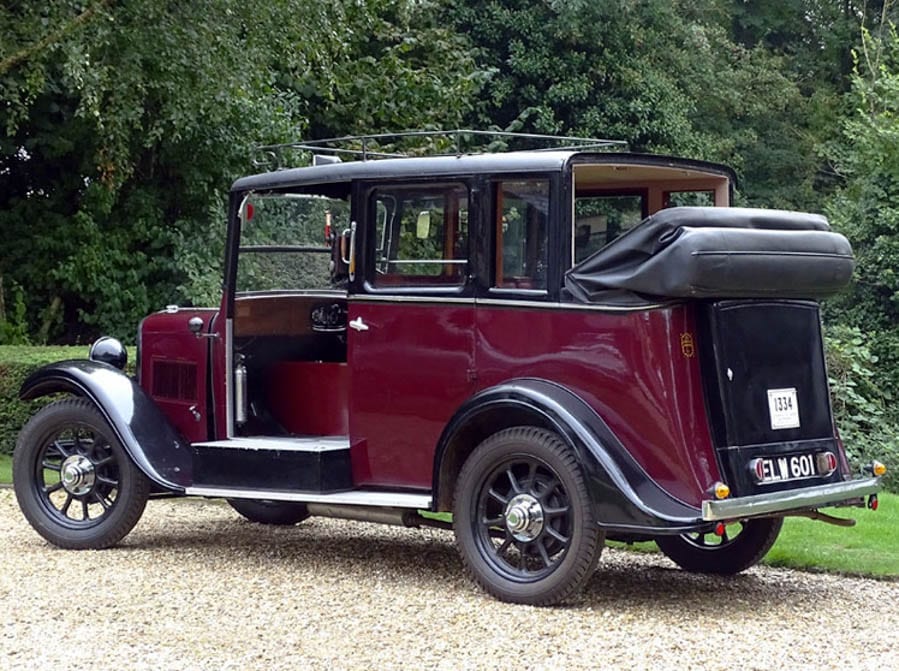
[(523, 518), (73, 480), (742, 545), (270, 512)]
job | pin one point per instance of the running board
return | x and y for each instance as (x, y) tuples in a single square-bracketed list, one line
[(282, 443), (351, 498), (318, 464)]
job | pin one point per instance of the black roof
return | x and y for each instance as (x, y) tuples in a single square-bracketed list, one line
[(466, 164)]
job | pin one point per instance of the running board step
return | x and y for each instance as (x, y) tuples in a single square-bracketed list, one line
[(287, 443), (315, 464), (353, 498)]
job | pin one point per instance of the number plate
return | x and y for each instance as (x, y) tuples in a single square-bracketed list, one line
[(781, 469), (783, 408)]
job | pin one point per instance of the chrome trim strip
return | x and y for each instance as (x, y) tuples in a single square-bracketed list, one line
[(775, 502), (545, 305), (503, 302), (314, 444), (512, 291), (229, 365), (243, 297), (379, 298), (412, 262), (353, 498)]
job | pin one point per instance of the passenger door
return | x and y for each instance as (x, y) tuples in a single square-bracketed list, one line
[(411, 328)]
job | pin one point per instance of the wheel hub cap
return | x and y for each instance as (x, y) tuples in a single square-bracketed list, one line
[(524, 517), (77, 475)]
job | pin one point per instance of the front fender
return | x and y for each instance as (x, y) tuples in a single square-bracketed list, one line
[(625, 497), (151, 441)]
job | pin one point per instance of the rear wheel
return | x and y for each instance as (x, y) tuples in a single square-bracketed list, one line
[(743, 544), (523, 519), (270, 512), (73, 479)]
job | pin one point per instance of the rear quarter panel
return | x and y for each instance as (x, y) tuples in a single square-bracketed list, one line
[(639, 370)]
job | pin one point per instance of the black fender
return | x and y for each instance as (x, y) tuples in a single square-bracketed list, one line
[(155, 446), (625, 497)]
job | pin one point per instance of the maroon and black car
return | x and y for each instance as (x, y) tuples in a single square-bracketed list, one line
[(557, 347)]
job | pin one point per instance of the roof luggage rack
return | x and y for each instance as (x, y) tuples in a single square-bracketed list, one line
[(406, 144)]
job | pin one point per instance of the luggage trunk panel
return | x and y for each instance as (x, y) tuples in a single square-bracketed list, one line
[(766, 388)]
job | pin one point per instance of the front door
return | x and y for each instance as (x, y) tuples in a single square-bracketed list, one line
[(411, 329)]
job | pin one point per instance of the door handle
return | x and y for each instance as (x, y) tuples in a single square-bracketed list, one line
[(358, 325)]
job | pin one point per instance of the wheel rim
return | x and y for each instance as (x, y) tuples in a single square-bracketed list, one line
[(77, 477), (523, 519), (710, 541)]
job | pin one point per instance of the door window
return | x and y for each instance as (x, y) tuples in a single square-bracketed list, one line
[(421, 235)]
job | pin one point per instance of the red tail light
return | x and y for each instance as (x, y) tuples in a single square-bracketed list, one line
[(826, 462), (757, 468)]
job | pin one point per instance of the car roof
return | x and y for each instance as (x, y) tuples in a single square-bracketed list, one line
[(457, 165)]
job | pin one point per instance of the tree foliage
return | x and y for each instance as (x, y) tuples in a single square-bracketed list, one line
[(866, 206), (125, 122), (667, 77)]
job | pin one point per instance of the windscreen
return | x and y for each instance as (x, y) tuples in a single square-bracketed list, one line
[(285, 243)]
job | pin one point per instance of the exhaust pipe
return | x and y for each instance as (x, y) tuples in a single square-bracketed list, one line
[(401, 517), (396, 516)]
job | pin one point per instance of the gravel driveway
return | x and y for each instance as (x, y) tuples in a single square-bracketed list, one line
[(196, 587)]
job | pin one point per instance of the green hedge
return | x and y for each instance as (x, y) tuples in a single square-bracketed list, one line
[(16, 362)]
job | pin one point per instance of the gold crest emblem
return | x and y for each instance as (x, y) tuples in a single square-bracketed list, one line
[(686, 345)]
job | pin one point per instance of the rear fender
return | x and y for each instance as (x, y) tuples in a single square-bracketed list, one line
[(625, 498), (151, 441)]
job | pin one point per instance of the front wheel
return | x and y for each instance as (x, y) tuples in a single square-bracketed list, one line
[(73, 480), (743, 544), (523, 518)]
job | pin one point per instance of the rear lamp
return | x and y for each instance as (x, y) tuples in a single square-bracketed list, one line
[(757, 468), (721, 490), (826, 463), (878, 468)]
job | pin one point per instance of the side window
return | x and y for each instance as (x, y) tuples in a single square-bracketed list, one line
[(521, 224), (600, 218), (421, 235)]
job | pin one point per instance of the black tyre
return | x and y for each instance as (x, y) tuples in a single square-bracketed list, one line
[(74, 481), (523, 519), (270, 512), (743, 545)]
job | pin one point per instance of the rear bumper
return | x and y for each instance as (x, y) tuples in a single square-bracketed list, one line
[(796, 499)]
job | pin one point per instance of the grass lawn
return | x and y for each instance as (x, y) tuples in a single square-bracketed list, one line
[(871, 548)]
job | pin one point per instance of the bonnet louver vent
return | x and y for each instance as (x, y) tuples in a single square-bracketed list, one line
[(173, 380)]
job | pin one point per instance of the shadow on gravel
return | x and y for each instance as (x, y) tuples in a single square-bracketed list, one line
[(353, 550), (345, 547), (657, 589)]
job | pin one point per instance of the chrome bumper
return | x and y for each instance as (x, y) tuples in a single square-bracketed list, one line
[(795, 499)]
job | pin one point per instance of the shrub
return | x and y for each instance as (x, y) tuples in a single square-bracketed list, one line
[(16, 363), (865, 417)]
